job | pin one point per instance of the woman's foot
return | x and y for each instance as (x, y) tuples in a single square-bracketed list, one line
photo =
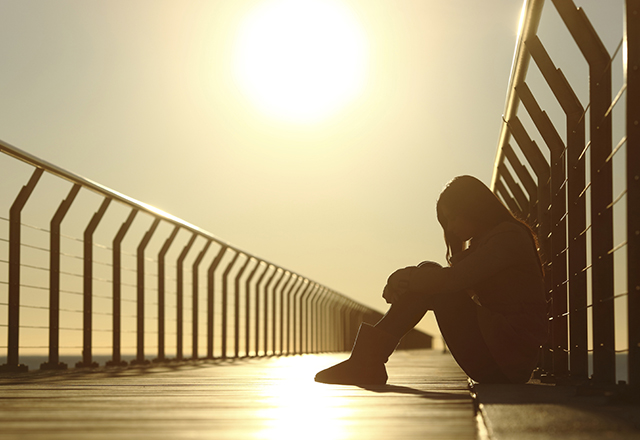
[(366, 364)]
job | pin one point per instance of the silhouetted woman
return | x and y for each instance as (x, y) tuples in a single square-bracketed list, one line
[(489, 302)]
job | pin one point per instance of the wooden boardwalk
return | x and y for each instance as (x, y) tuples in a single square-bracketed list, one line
[(271, 398)]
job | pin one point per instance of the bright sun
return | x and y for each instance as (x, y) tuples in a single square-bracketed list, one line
[(301, 60)]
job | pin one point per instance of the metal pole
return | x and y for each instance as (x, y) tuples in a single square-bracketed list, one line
[(236, 307), (179, 296), (225, 295), (299, 328), (266, 310), (247, 309), (87, 327), (210, 299), (601, 187), (117, 291), (161, 293), (194, 300), (576, 207), (13, 345), (292, 304), (558, 229), (258, 284), (632, 70), (54, 283), (274, 323), (283, 308), (140, 360)]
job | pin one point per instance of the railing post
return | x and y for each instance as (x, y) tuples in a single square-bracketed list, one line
[(117, 291), (258, 284), (632, 70), (298, 328), (87, 309), (54, 282), (236, 306), (292, 305), (194, 300), (225, 299), (542, 170), (161, 293), (247, 309), (576, 206), (557, 228), (315, 320), (600, 130), (140, 360), (266, 311), (179, 297), (13, 345), (274, 323), (283, 296), (322, 321), (210, 299)]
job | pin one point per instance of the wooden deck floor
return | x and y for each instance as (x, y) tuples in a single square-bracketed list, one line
[(274, 398)]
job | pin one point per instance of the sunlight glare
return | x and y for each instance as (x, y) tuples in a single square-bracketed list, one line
[(300, 60), (296, 407)]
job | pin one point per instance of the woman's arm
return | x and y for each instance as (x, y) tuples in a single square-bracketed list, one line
[(505, 247)]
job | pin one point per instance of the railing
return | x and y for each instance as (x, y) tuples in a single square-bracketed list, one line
[(573, 170), (101, 299)]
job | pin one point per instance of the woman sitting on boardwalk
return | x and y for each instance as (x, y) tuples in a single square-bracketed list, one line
[(489, 303)]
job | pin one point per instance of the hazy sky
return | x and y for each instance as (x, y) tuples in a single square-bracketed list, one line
[(142, 96)]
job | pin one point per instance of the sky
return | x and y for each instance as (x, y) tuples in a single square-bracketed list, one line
[(145, 97)]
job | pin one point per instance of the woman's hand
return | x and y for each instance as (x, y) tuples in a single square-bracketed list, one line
[(397, 284)]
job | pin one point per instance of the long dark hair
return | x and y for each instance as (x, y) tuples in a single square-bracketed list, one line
[(468, 197)]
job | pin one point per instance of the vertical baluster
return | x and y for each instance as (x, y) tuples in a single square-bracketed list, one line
[(162, 294), (247, 309), (632, 68), (194, 300), (54, 282), (179, 297), (87, 309), (140, 301), (13, 345), (210, 300), (116, 359)]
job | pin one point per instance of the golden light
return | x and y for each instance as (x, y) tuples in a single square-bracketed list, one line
[(296, 407), (300, 60)]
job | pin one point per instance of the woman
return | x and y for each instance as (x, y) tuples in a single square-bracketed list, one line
[(489, 302)]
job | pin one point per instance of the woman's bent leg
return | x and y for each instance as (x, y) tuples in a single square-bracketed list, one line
[(404, 315), (458, 321)]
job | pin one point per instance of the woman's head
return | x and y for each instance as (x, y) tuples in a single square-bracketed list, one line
[(467, 208)]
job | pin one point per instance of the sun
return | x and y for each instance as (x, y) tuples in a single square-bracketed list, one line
[(300, 60)]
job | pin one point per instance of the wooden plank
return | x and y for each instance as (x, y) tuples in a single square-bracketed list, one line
[(276, 398)]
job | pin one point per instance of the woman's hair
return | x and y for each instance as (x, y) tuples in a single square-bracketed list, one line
[(468, 197)]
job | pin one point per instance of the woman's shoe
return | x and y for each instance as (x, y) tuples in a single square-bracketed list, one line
[(371, 350)]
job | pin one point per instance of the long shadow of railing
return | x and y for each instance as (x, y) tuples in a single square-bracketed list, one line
[(589, 235), (237, 304)]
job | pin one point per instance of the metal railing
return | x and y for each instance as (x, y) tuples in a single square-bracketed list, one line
[(573, 170), (224, 301)]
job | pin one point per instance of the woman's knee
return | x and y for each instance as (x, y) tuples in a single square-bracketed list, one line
[(429, 263)]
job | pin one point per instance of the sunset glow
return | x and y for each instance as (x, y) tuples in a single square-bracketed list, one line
[(300, 60)]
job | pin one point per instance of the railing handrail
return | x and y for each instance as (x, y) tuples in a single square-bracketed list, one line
[(529, 21), (108, 192)]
